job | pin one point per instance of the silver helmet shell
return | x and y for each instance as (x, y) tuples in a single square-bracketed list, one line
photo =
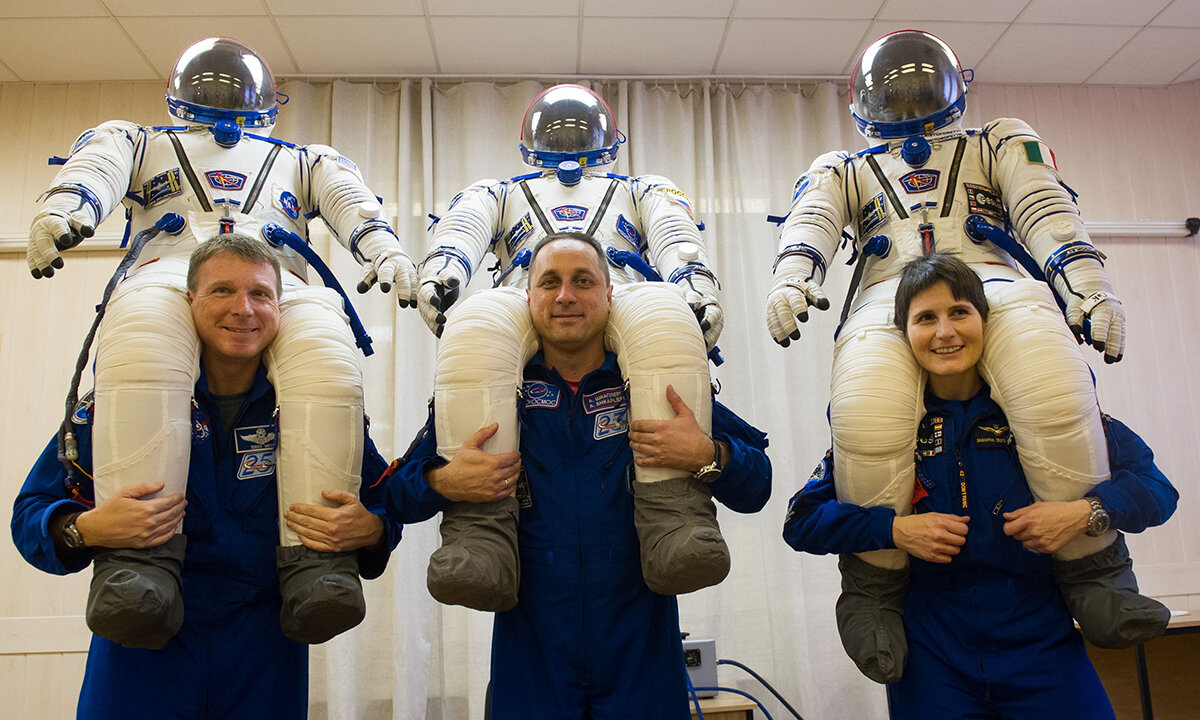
[(222, 79), (906, 83), (569, 123)]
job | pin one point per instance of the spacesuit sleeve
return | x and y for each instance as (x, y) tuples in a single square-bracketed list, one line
[(336, 189), (1138, 496), (43, 496), (408, 498), (745, 482), (373, 561), (817, 523), (100, 165), (1041, 208), (672, 238), (469, 226), (820, 210)]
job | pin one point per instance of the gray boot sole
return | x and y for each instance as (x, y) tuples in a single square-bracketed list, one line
[(1102, 594), (477, 565), (681, 545), (322, 593), (136, 596), (870, 618)]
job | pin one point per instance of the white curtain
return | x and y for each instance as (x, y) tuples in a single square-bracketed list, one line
[(736, 149)]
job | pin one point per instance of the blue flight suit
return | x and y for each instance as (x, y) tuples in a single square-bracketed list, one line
[(587, 638), (230, 659), (989, 635)]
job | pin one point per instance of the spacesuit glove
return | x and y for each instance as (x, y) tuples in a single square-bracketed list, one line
[(790, 297), (387, 264), (700, 292), (437, 292), (1091, 301), (64, 222)]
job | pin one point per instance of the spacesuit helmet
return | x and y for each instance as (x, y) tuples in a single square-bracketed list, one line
[(222, 79), (569, 123), (906, 83)]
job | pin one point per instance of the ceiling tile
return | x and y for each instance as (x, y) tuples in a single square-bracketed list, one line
[(650, 47), (140, 8), (84, 49), (658, 8), (1051, 53), (163, 39), (1092, 12), (7, 75), (1154, 56), (969, 41), (345, 8), (359, 46), (1192, 73), (773, 47), (61, 8), (813, 9), (916, 10), (505, 8), (1180, 13), (494, 45)]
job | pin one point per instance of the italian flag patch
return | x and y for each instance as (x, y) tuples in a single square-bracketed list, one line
[(1039, 152)]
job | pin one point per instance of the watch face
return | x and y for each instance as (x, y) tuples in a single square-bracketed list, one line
[(708, 474)]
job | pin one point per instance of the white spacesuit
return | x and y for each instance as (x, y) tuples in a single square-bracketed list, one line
[(219, 177), (646, 226), (906, 196)]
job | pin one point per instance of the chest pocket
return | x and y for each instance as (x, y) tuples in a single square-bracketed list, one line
[(255, 453)]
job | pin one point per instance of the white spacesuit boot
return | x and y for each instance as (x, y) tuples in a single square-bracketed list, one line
[(135, 596), (314, 368), (681, 545), (486, 342)]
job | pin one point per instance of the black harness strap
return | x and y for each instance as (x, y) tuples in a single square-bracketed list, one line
[(887, 188), (537, 209), (952, 177), (261, 180), (612, 187), (190, 173)]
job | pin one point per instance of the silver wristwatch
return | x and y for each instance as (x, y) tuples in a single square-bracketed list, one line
[(1098, 521), (711, 471), (72, 538)]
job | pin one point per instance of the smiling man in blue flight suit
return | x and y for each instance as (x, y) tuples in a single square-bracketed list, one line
[(587, 638), (230, 658), (988, 633)]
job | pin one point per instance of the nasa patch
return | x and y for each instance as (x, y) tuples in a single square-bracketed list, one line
[(919, 181), (225, 179), (613, 422), (541, 395), (569, 213), (161, 186), (872, 215), (289, 204), (255, 438), (256, 464), (603, 400)]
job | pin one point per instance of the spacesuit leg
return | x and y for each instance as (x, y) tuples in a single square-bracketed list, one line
[(147, 356), (658, 343), (874, 410), (1039, 377), (314, 368), (487, 340)]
